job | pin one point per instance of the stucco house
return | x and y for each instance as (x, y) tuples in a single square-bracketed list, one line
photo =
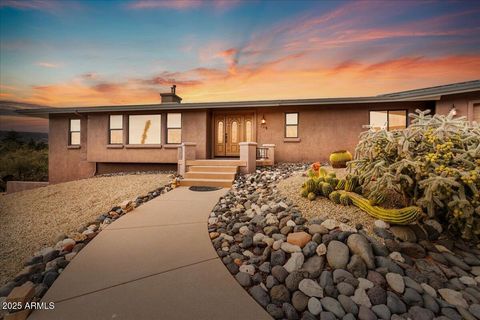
[(86, 141)]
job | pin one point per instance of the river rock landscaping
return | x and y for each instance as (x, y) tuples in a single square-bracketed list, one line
[(299, 267), (44, 266)]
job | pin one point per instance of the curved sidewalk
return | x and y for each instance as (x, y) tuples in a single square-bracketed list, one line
[(156, 262)]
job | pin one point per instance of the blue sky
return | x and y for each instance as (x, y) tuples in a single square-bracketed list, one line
[(77, 53)]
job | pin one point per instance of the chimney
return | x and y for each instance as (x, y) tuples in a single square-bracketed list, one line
[(170, 97)]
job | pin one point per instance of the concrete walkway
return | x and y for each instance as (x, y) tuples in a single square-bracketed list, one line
[(156, 262)]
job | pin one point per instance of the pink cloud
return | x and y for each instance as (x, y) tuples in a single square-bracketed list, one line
[(45, 64), (182, 4), (51, 6)]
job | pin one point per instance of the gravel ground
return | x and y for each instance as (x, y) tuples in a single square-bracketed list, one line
[(32, 219), (322, 207)]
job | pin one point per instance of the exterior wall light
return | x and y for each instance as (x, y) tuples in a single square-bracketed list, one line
[(263, 122), (453, 111)]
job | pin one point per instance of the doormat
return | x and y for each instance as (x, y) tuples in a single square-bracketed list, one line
[(203, 188)]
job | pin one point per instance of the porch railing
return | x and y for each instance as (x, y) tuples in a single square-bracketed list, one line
[(262, 153)]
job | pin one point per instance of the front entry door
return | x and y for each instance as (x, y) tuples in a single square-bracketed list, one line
[(230, 130)]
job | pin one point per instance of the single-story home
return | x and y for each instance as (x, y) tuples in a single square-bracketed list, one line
[(86, 141)]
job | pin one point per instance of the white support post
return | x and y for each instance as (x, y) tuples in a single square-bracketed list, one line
[(248, 153), (186, 152)]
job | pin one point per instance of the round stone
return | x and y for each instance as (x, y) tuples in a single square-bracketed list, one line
[(299, 301), (377, 295), (244, 279), (311, 288), (347, 304), (277, 258), (365, 313), (293, 280), (345, 288), (279, 294), (381, 224), (395, 281), (295, 262), (333, 306), (428, 289), (361, 298), (360, 246), (418, 313), (337, 255), (248, 268), (382, 311), (279, 273), (321, 249), (314, 306), (453, 297)]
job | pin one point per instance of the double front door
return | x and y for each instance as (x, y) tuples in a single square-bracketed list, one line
[(230, 130)]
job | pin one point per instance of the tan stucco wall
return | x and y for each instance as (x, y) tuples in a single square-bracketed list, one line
[(194, 129), (322, 129), (463, 104), (66, 164)]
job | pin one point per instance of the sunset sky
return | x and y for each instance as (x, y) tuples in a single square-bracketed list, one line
[(86, 53)]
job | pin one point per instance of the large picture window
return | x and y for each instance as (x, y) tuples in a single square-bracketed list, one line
[(174, 128), (291, 125), (116, 129), (388, 119), (74, 132), (144, 129)]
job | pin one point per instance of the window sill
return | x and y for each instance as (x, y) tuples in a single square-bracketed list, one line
[(172, 146), (292, 140), (143, 146), (115, 146), (73, 147)]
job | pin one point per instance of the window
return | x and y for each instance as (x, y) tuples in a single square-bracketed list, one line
[(388, 120), (220, 132), (116, 129), (144, 129), (291, 125), (248, 131), (74, 132), (174, 128), (234, 132)]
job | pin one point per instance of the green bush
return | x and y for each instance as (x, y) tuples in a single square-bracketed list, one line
[(22, 161), (434, 163)]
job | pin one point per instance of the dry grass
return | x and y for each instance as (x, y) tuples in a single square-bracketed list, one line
[(322, 207), (32, 219)]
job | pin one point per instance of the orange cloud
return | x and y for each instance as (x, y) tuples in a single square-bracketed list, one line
[(262, 81)]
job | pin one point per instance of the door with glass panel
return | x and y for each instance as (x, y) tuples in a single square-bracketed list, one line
[(230, 130)]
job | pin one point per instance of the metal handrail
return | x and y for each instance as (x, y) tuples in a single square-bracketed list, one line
[(262, 153)]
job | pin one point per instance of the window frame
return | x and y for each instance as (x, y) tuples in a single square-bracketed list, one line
[(146, 144), (70, 131), (388, 116), (168, 128), (110, 129), (291, 125)]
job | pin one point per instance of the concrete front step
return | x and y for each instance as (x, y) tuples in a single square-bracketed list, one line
[(216, 163), (210, 175), (226, 183), (229, 169)]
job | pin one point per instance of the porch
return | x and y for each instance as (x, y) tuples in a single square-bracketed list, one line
[(221, 172)]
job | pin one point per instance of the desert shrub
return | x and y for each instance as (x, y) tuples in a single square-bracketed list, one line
[(434, 163), (22, 161)]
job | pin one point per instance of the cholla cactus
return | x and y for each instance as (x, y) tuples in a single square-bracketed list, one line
[(434, 163)]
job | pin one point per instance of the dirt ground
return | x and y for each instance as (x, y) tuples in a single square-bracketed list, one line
[(322, 207), (32, 219)]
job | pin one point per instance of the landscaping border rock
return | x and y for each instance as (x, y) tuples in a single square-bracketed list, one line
[(314, 268)]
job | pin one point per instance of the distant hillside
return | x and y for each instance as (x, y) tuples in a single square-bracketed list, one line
[(26, 136)]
